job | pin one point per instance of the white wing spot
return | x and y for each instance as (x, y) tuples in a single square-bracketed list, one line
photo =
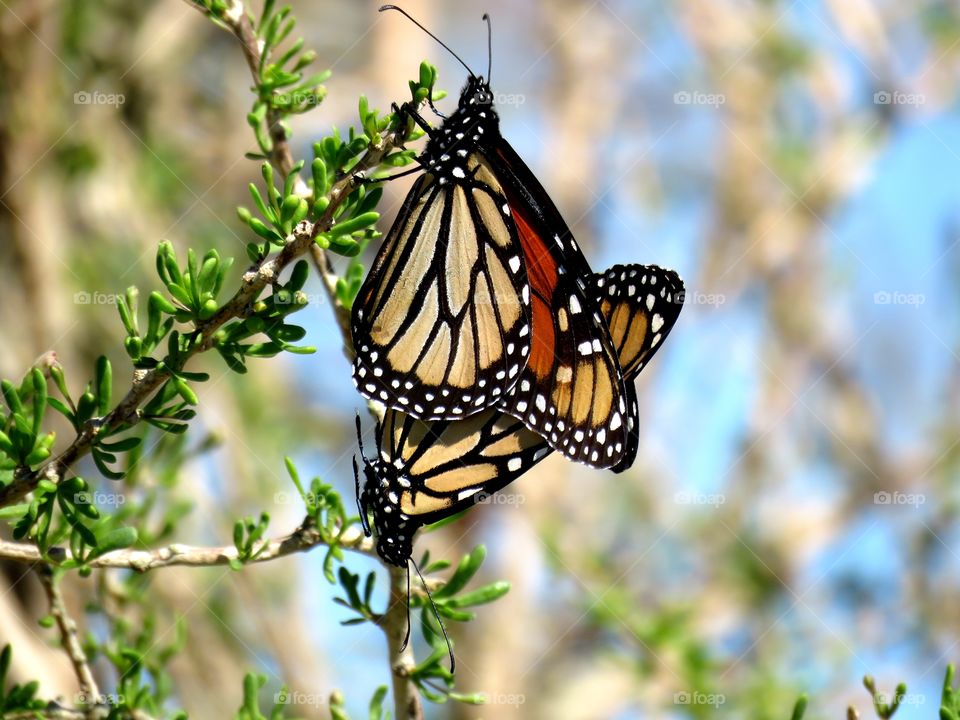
[(574, 304), (514, 464), (656, 323), (514, 262)]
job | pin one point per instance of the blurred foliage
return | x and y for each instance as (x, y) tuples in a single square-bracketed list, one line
[(635, 602)]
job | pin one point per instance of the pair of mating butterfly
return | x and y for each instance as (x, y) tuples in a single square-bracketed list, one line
[(484, 332)]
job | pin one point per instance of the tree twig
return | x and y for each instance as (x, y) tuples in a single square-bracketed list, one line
[(406, 699), (68, 634), (303, 539)]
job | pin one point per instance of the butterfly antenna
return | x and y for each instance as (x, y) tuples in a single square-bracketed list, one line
[(364, 522), (486, 17), (436, 614), (442, 43), (406, 638), (359, 434)]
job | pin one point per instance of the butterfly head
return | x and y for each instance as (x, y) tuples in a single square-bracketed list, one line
[(381, 496), (476, 95)]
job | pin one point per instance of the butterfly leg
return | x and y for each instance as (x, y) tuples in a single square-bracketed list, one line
[(408, 110), (363, 180), (434, 107)]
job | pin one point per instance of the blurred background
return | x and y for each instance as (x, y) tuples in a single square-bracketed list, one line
[(792, 521)]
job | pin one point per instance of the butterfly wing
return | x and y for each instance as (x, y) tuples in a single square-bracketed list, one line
[(441, 323), (641, 304), (571, 391), (444, 467)]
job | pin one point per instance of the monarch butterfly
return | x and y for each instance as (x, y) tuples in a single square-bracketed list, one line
[(427, 471), (477, 298)]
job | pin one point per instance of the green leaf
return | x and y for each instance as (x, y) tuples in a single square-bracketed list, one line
[(463, 574), (39, 399), (485, 594), (11, 397), (185, 391), (354, 224), (117, 539), (376, 703), (104, 385)]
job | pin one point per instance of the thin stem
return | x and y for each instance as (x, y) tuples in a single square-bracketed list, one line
[(68, 634), (301, 540), (406, 699)]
